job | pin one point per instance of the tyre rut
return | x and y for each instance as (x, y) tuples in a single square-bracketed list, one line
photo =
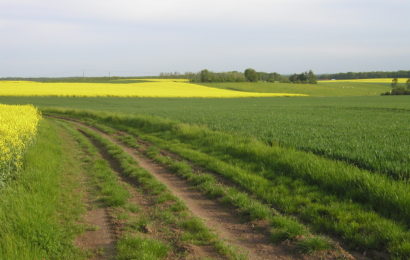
[(220, 218)]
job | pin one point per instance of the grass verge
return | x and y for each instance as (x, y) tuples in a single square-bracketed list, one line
[(39, 209)]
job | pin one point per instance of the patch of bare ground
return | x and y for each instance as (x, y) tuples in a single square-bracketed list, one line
[(99, 238)]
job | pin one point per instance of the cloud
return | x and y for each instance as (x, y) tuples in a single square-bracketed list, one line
[(150, 36)]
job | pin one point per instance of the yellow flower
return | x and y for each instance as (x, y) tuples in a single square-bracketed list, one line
[(148, 88), (18, 127)]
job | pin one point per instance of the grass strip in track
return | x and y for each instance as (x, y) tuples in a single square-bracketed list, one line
[(39, 208), (195, 231), (110, 193), (283, 227)]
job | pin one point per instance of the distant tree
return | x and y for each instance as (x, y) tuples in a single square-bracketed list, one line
[(293, 78), (367, 75), (305, 77), (311, 77), (251, 75), (205, 76), (394, 83), (408, 84)]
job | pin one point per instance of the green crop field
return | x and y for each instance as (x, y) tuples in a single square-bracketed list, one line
[(370, 132), (322, 172), (320, 89)]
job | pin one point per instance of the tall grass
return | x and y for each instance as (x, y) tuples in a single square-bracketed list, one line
[(34, 222)]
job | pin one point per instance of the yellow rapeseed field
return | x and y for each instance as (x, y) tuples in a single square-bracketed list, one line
[(380, 80), (151, 88), (18, 126)]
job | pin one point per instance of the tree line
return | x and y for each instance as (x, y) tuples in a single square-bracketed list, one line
[(399, 89), (249, 75), (367, 75)]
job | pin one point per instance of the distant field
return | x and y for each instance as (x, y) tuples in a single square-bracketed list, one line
[(143, 88), (309, 166), (379, 80), (328, 88), (368, 131)]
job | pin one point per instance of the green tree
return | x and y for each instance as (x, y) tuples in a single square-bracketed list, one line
[(311, 77), (408, 84), (394, 83), (251, 75), (205, 76)]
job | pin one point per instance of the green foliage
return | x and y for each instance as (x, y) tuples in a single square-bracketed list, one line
[(399, 89), (271, 77), (209, 76), (305, 77), (367, 75), (235, 76), (251, 75), (394, 83)]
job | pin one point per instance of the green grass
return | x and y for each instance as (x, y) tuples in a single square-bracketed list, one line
[(369, 132), (39, 209), (320, 89), (312, 244), (140, 248)]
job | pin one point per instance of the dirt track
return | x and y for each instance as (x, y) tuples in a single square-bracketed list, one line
[(251, 238)]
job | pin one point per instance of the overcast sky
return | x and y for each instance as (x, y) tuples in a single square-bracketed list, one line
[(146, 37)]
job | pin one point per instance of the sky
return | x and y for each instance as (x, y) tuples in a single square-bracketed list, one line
[(50, 38)]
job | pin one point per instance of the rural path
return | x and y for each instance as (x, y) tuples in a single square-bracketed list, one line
[(100, 240), (220, 218)]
